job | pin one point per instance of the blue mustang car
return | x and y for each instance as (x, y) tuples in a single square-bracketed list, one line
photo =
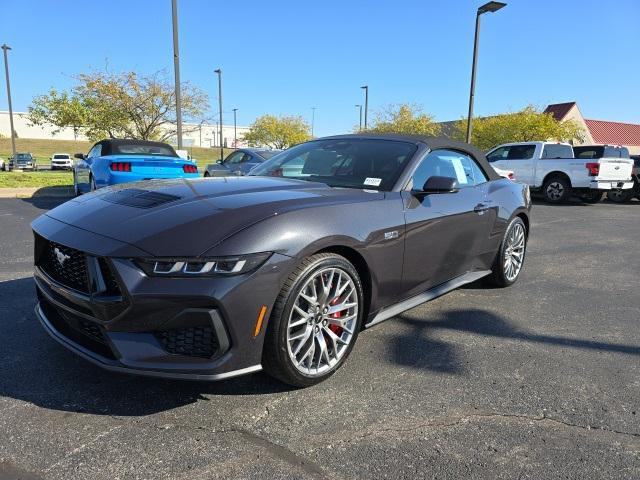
[(114, 161)]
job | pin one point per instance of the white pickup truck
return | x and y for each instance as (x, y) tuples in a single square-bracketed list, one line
[(552, 169)]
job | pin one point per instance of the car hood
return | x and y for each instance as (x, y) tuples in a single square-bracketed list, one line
[(187, 217)]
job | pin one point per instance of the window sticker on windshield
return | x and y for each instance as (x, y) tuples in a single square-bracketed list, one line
[(460, 173), (372, 181)]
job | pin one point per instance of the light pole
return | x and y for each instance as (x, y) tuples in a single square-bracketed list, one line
[(486, 8), (360, 107), (235, 129), (176, 68), (313, 119), (201, 122), (6, 48), (219, 72), (366, 104)]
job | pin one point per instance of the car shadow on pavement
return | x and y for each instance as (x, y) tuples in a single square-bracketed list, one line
[(45, 198), (36, 369), (488, 324)]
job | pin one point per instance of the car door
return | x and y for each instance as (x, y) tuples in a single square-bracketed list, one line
[(444, 232), (83, 168), (518, 158)]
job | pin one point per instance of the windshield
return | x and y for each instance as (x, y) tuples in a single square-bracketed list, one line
[(61, 157), (23, 156), (352, 163), (141, 149)]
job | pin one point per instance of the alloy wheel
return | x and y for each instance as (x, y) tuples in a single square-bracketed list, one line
[(322, 321), (555, 190), (514, 252)]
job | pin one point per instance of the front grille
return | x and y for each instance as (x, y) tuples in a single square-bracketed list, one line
[(66, 265), (189, 341), (77, 329), (92, 330)]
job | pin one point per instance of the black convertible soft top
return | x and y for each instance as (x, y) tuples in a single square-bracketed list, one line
[(110, 145), (433, 143)]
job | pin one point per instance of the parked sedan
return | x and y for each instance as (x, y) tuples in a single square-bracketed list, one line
[(240, 162), (110, 162), (212, 278)]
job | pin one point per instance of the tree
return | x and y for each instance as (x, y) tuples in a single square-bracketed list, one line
[(527, 125), (278, 132), (128, 105), (404, 118)]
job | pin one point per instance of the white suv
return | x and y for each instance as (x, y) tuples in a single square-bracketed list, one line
[(61, 161)]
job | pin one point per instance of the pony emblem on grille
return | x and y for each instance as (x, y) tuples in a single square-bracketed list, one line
[(61, 256)]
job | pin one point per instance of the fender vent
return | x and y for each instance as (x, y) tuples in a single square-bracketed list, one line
[(135, 197)]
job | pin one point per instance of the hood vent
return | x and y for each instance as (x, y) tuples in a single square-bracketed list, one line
[(135, 197)]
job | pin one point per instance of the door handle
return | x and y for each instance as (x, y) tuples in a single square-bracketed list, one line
[(482, 207)]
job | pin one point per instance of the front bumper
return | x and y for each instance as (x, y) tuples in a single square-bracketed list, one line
[(66, 165), (611, 185), (182, 328)]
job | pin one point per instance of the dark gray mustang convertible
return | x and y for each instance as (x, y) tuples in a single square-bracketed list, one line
[(211, 278)]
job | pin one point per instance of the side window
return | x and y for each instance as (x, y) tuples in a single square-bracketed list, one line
[(552, 151), (95, 151), (521, 152), (234, 158), (498, 154), (449, 163)]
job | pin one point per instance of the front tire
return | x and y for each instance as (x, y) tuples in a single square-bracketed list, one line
[(557, 189), (510, 259), (315, 321)]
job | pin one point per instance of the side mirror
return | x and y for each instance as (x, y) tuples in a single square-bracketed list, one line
[(437, 184), (219, 162), (81, 156)]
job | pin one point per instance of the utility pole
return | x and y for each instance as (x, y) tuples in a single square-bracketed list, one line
[(235, 129), (313, 119), (219, 72), (176, 68), (6, 48), (360, 124), (366, 104)]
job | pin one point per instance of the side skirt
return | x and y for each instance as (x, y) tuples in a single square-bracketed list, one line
[(435, 292)]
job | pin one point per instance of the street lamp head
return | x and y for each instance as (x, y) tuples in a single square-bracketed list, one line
[(491, 7), (5, 47), (365, 86), (358, 106), (218, 71)]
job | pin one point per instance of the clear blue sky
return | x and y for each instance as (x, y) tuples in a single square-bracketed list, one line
[(284, 57)]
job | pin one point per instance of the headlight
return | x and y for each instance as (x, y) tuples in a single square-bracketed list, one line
[(202, 267)]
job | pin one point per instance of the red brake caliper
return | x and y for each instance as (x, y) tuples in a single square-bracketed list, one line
[(336, 328)]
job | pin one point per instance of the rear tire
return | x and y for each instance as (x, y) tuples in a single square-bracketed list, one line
[(510, 258), (620, 196), (206, 174), (305, 342), (557, 189)]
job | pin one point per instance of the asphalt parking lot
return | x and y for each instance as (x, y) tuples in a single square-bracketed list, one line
[(541, 380)]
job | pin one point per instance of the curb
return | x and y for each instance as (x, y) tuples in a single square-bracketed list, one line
[(36, 192)]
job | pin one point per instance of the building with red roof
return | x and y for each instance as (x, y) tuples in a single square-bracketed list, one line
[(599, 131)]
